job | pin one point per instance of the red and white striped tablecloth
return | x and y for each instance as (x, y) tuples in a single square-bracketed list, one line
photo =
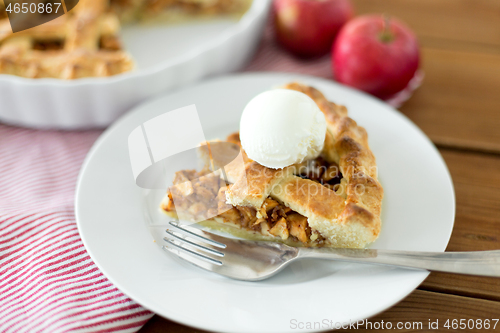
[(48, 283)]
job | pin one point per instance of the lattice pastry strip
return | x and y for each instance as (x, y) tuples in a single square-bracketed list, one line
[(175, 10), (82, 43), (348, 220)]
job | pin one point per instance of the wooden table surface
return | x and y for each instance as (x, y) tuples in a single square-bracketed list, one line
[(458, 107)]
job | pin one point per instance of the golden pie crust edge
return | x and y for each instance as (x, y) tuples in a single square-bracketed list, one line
[(359, 223)]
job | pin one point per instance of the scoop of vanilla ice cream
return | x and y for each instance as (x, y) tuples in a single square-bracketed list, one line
[(282, 127)]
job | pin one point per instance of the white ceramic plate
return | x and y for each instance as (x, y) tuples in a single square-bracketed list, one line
[(167, 57), (119, 224)]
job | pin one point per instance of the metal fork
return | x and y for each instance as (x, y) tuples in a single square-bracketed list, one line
[(259, 260)]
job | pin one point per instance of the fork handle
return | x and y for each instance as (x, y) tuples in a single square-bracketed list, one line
[(484, 263)]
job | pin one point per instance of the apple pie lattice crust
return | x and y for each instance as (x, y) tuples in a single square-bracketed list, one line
[(85, 42), (333, 200), (82, 43)]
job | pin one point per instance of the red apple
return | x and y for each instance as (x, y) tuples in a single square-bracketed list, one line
[(376, 54), (307, 28)]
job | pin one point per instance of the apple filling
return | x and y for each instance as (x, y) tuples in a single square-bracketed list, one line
[(201, 195)]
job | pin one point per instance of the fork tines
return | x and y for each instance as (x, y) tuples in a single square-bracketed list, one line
[(192, 246)]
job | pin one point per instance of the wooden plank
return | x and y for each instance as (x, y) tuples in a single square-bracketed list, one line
[(461, 20), (477, 225), (460, 46), (477, 186), (417, 310), (425, 307), (469, 286), (458, 104), (158, 324)]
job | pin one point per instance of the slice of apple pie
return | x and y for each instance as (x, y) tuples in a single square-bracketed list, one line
[(333, 200)]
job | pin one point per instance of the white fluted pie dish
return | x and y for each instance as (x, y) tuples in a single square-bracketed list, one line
[(166, 57)]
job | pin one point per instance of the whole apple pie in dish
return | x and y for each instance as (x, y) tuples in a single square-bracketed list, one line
[(85, 42), (332, 200)]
